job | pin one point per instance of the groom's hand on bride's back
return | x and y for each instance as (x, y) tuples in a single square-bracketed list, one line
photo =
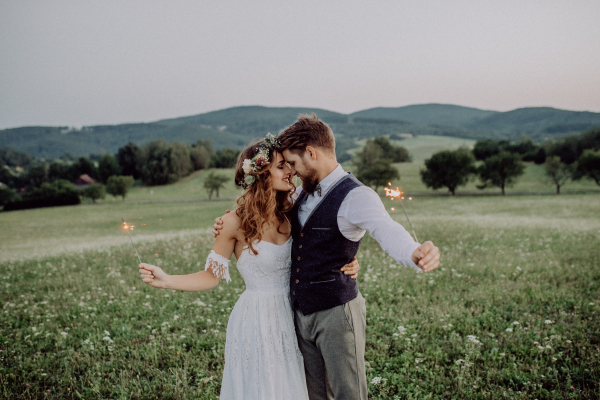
[(218, 224), (426, 256)]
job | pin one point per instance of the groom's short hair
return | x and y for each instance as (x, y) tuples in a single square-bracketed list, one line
[(308, 130)]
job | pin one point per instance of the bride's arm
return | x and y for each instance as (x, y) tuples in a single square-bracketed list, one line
[(217, 265)]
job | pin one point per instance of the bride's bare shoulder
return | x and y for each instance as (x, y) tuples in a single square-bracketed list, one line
[(231, 222)]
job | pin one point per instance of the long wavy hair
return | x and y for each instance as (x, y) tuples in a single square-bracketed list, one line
[(260, 201)]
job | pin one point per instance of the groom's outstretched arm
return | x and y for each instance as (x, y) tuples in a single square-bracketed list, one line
[(362, 210)]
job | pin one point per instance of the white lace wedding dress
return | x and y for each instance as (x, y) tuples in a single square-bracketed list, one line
[(262, 359)]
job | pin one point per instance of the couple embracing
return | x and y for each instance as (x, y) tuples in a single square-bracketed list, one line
[(298, 330)]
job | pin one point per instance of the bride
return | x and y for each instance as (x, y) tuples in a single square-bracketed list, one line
[(262, 359)]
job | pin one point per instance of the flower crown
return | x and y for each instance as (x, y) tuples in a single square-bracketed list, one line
[(260, 160)]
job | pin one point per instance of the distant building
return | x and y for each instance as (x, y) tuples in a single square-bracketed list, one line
[(84, 181)]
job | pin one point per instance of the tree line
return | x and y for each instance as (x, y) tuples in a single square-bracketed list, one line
[(26, 182), (575, 157)]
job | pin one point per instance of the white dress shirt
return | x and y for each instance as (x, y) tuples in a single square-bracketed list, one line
[(362, 210)]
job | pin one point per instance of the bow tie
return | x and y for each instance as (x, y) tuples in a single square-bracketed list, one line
[(318, 190)]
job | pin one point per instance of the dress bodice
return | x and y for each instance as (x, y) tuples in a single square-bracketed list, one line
[(269, 270)]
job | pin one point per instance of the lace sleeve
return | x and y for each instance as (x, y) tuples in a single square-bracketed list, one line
[(219, 265)]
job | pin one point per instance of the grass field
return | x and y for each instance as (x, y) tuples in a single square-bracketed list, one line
[(511, 313)]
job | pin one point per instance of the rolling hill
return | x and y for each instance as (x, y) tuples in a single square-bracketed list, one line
[(237, 126)]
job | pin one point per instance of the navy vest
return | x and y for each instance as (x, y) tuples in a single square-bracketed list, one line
[(319, 250)]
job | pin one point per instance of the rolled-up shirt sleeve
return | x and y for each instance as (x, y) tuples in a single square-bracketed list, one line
[(363, 211)]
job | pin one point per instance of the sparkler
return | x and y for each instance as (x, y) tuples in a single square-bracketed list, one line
[(399, 194), (127, 228)]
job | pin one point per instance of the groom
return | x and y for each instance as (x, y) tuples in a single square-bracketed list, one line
[(332, 212)]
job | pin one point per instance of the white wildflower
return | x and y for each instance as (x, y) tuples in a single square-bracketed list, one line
[(108, 339), (377, 380), (459, 361), (107, 333), (473, 339), (568, 341), (401, 328), (516, 323), (541, 348), (175, 317), (33, 328), (548, 346), (64, 334), (182, 337), (547, 321), (508, 329)]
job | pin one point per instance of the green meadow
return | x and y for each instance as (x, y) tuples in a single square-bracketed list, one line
[(512, 312)]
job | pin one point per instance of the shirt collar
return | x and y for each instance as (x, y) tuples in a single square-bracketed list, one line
[(335, 175)]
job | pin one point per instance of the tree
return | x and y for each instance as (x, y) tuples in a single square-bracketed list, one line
[(213, 182), (83, 166), (94, 191), (372, 168), (119, 185), (127, 157), (558, 172), (59, 170), (394, 153), (225, 158), (588, 166), (107, 167), (200, 157), (160, 163), (485, 148), (449, 169), (500, 170), (37, 175), (6, 194), (378, 174)]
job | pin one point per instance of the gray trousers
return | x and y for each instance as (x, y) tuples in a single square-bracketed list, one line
[(332, 343)]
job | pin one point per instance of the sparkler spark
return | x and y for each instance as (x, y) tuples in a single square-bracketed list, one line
[(397, 193), (128, 228)]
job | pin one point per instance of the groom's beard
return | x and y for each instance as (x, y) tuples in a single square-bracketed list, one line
[(310, 180)]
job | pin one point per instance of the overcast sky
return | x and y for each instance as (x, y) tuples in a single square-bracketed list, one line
[(102, 62)]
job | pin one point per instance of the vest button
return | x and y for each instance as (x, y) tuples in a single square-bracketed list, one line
[(298, 258), (297, 281), (294, 293), (300, 246), (297, 269), (302, 235)]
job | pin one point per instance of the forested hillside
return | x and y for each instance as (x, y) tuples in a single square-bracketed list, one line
[(237, 126)]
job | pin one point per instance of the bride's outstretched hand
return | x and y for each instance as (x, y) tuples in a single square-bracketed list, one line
[(351, 269), (153, 275)]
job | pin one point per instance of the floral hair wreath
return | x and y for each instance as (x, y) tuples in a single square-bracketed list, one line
[(259, 161)]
